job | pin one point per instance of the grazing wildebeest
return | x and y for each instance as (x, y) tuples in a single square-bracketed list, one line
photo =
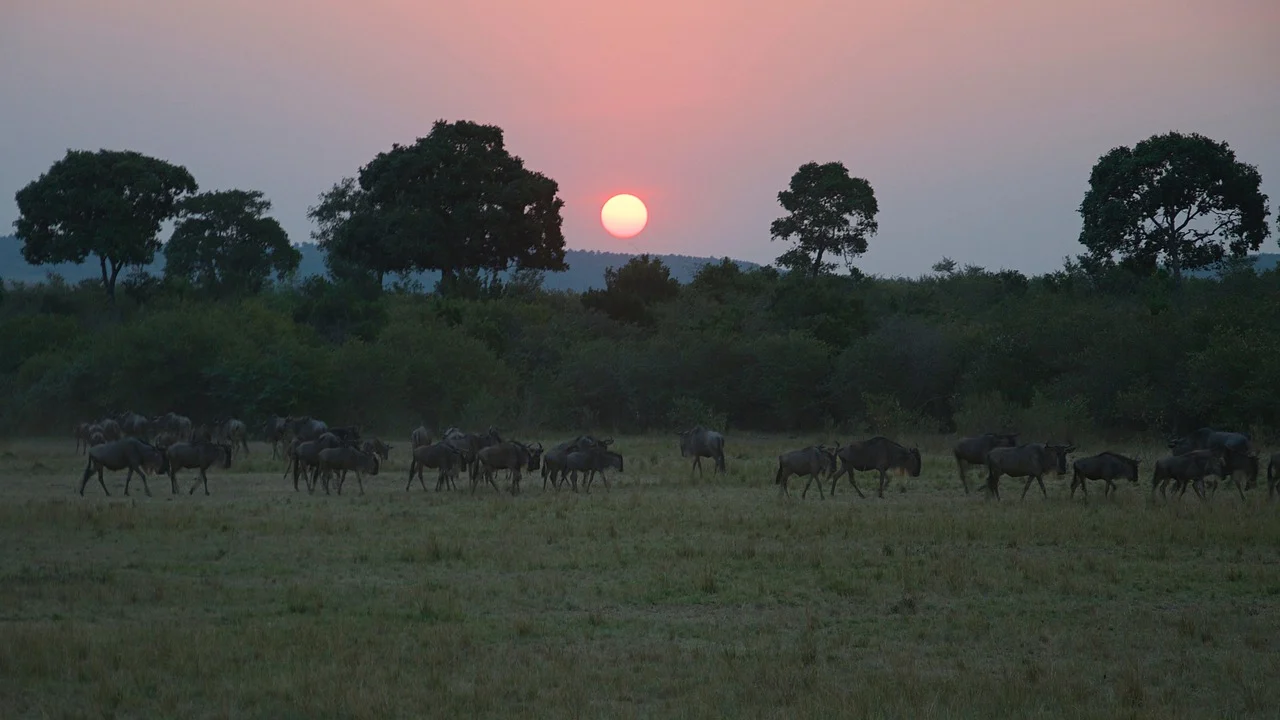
[(1106, 466), (441, 456), (811, 461), (1029, 461), (1235, 450), (973, 451), (201, 456), (507, 455), (880, 454), (234, 433), (343, 460), (594, 459), (117, 455), (698, 442), (1188, 468), (377, 447), (555, 460), (274, 431)]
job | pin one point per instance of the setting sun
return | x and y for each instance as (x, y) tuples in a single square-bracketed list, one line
[(624, 216)]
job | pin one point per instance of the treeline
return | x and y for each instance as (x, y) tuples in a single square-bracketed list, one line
[(1068, 354)]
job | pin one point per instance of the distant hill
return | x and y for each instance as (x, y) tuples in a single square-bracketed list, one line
[(586, 267)]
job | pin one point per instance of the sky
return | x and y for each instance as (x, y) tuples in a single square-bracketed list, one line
[(976, 122)]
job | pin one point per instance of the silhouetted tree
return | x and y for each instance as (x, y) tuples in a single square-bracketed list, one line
[(632, 289), (226, 245), (829, 213), (107, 203), (455, 200), (1184, 200)]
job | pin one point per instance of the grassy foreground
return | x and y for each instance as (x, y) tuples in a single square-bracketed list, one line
[(667, 596)]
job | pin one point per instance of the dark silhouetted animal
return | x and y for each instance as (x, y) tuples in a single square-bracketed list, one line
[(1235, 449), (441, 456), (1188, 468), (1029, 461), (811, 462), (377, 447), (201, 456), (1106, 466), (345, 459), (117, 455), (973, 451), (698, 442), (595, 459), (879, 454), (507, 455)]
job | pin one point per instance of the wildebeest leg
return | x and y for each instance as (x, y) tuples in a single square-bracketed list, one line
[(360, 481), (1040, 480), (412, 464), (884, 482), (1235, 480), (488, 476), (962, 467), (605, 479), (145, 487), (1027, 487), (88, 470), (697, 465), (993, 485)]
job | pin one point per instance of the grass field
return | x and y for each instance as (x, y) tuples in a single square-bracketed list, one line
[(668, 596)]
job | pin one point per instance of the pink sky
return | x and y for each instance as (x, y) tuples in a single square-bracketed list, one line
[(976, 122)]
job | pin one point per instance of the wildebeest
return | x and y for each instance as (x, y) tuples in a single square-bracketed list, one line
[(555, 461), (1188, 468), (470, 445), (234, 433), (811, 461), (1029, 461), (200, 456), (1235, 449), (507, 455), (111, 430), (306, 427), (973, 451), (420, 437), (304, 455), (171, 422), (117, 455), (698, 442), (134, 425), (377, 447), (1106, 466), (343, 460), (879, 454), (83, 432), (349, 433), (1273, 475), (274, 431), (441, 456), (594, 459)]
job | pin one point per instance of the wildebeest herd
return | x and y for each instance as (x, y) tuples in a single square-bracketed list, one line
[(318, 455)]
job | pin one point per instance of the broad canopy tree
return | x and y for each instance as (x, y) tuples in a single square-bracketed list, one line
[(1181, 200), (454, 201), (225, 244), (106, 203), (830, 213), (631, 289)]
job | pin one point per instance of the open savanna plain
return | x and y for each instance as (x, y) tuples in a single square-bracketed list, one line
[(666, 596)]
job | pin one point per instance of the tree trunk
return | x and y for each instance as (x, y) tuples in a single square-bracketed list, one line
[(817, 263), (106, 280)]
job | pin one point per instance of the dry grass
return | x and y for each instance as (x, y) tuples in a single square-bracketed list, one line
[(667, 596)]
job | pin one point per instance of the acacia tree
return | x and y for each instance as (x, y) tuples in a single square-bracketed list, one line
[(225, 244), (107, 203), (455, 201), (829, 213), (1181, 200)]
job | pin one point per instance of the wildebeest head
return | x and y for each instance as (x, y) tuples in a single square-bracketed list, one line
[(1057, 456), (226, 455), (913, 462)]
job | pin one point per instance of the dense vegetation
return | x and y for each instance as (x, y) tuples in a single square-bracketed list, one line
[(1059, 354), (1125, 340)]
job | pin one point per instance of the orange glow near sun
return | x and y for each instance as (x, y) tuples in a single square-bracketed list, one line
[(624, 216)]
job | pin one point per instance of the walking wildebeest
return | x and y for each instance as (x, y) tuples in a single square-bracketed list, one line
[(441, 456), (274, 431), (507, 455), (878, 453), (1106, 466), (470, 444), (811, 462), (594, 459), (117, 455), (1273, 475), (1187, 468), (698, 442), (200, 456), (343, 460), (377, 447), (973, 451), (1029, 461), (1235, 450), (555, 460)]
